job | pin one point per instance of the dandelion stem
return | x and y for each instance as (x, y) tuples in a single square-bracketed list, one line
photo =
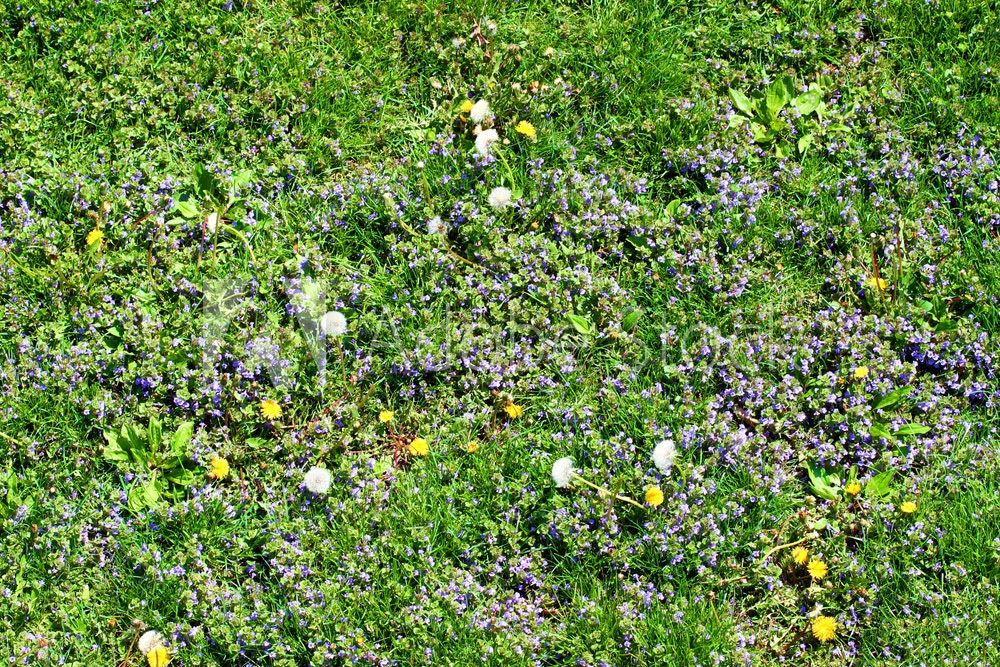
[(624, 499), (780, 547), (242, 236), (13, 441), (343, 369), (447, 246), (18, 264), (510, 173)]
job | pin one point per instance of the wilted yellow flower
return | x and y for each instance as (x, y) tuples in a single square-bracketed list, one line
[(654, 496), (270, 409), (158, 657), (385, 416), (220, 468), (860, 373), (909, 507), (800, 555), (513, 411), (881, 284), (526, 128), (466, 106), (472, 446), (95, 236), (817, 569), (824, 628), (853, 488), (419, 447)]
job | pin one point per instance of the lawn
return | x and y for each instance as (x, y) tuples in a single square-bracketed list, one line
[(623, 332)]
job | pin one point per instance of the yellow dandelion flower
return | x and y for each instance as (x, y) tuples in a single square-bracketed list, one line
[(853, 488), (800, 555), (472, 446), (466, 106), (220, 468), (909, 507), (158, 657), (95, 236), (513, 411), (419, 447), (881, 284), (824, 628), (817, 569), (385, 416), (270, 410), (654, 496), (525, 128), (860, 373)]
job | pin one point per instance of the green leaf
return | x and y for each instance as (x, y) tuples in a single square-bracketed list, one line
[(581, 324), (113, 451), (878, 486), (205, 182), (133, 441), (741, 102), (779, 93), (150, 492), (838, 127), (879, 431), (154, 434), (181, 438), (893, 397), (242, 179), (807, 102), (824, 484), (178, 474), (760, 133), (383, 465), (136, 501), (672, 208), (912, 429), (630, 321), (187, 208), (804, 143)]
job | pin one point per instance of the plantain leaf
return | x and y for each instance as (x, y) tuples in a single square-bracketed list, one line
[(807, 102), (879, 431), (181, 439), (912, 429), (154, 434), (779, 94), (824, 484), (631, 320), (893, 397), (741, 102), (581, 324), (878, 486)]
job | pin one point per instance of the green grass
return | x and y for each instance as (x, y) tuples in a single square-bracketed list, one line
[(104, 102)]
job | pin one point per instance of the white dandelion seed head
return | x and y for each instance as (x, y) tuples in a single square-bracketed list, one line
[(484, 140), (500, 197), (149, 641), (318, 480), (664, 454), (212, 222), (334, 323), (435, 225), (562, 472), (480, 111)]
